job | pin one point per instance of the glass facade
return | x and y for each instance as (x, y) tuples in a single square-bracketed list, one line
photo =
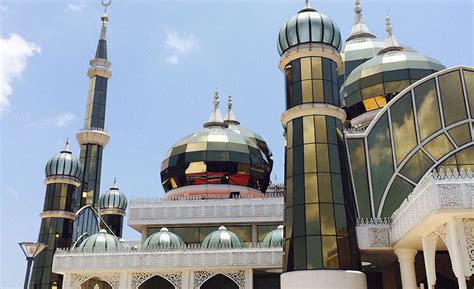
[(425, 127), (85, 224), (91, 160), (318, 204), (96, 103), (114, 222), (56, 232)]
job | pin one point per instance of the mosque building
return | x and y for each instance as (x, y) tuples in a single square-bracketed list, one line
[(378, 190)]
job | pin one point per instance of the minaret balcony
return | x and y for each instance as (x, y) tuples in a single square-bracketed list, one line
[(93, 136)]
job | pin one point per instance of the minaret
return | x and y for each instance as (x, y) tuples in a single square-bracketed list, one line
[(63, 176), (93, 136), (113, 205), (320, 242)]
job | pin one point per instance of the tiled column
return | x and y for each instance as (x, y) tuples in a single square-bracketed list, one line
[(406, 258)]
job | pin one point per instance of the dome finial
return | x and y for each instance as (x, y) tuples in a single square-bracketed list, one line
[(105, 19), (391, 42), (306, 4), (66, 146), (230, 116), (114, 185), (359, 29), (215, 119)]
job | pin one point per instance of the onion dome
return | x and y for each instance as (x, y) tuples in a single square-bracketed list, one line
[(215, 155), (274, 238), (113, 200), (222, 239), (163, 238), (234, 125), (101, 241), (64, 165), (360, 46), (372, 84), (308, 26)]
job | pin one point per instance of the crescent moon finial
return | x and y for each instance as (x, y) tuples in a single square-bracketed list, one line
[(106, 3)]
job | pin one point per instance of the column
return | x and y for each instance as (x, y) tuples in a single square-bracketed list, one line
[(406, 258), (454, 250), (429, 254)]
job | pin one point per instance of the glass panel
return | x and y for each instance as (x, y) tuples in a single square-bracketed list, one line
[(307, 91), (314, 258), (303, 27), (316, 33), (417, 166), (452, 98), (439, 146), (312, 220), (311, 188), (299, 253), (289, 135), (469, 83), (308, 129), (322, 157), (328, 29), (317, 71), (328, 224), (309, 158), (465, 158), (399, 190), (461, 134), (403, 125), (330, 256), (427, 109), (318, 94), (291, 31), (324, 187), (359, 173), (305, 68), (380, 156), (320, 129)]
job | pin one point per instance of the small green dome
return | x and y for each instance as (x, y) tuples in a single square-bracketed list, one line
[(274, 238), (222, 239), (64, 165), (101, 241), (308, 26), (163, 238), (113, 199)]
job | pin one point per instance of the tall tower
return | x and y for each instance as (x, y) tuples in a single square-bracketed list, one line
[(93, 136), (113, 205), (320, 243), (63, 175)]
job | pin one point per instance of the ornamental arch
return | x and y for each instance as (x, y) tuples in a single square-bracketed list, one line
[(219, 281), (423, 127)]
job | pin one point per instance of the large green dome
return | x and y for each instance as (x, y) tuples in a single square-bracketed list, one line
[(274, 238), (308, 26), (64, 165), (163, 238), (222, 239), (101, 241), (216, 155)]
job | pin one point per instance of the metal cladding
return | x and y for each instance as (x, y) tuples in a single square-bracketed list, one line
[(222, 239), (101, 241), (274, 238), (308, 26), (163, 238), (113, 199), (64, 164)]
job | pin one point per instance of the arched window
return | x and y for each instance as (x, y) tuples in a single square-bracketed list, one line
[(156, 282), (219, 281), (95, 283)]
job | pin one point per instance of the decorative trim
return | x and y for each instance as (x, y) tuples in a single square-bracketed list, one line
[(62, 180), (138, 278), (313, 109), (58, 214), (310, 50), (200, 277), (113, 279), (111, 212), (469, 234)]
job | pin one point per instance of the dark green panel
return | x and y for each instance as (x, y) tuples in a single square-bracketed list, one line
[(399, 190)]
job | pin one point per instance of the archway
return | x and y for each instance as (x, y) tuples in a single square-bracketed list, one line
[(219, 281), (95, 283), (156, 282)]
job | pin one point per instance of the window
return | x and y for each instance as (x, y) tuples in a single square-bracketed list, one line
[(452, 98), (403, 125), (427, 109)]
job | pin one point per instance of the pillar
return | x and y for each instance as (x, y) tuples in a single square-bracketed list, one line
[(429, 254), (406, 258), (454, 249)]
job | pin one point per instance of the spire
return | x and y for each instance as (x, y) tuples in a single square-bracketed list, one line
[(230, 117), (215, 119), (101, 51), (391, 42), (359, 29), (114, 185)]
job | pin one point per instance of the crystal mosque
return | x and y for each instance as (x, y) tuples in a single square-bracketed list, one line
[(378, 190)]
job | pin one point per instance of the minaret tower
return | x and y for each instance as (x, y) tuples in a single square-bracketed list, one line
[(320, 242), (63, 175), (93, 137), (113, 205)]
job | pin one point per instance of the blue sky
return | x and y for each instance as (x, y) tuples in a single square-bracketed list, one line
[(167, 58)]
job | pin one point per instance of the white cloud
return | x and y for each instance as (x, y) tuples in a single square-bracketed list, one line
[(61, 120), (76, 6), (180, 45), (14, 52)]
